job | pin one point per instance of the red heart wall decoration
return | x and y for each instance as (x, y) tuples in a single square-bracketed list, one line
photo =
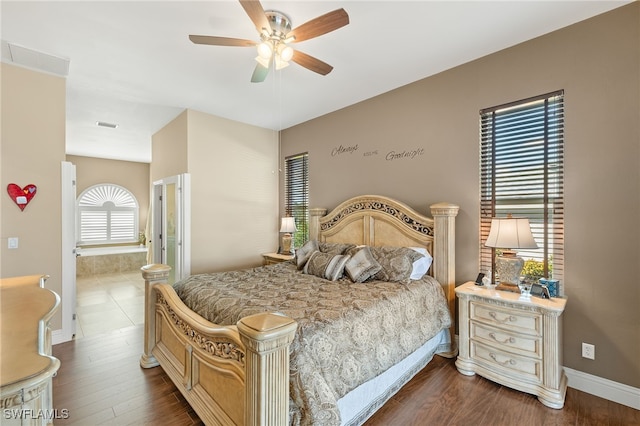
[(21, 196)]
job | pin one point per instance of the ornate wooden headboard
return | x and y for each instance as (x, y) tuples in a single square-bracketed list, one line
[(381, 221)]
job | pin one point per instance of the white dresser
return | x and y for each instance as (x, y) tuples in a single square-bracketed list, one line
[(513, 340), (25, 352)]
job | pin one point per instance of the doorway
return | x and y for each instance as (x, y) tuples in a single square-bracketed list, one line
[(170, 238)]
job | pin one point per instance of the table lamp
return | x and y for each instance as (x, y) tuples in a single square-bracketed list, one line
[(288, 226), (510, 233)]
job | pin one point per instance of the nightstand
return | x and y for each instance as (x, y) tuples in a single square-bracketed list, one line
[(513, 340), (271, 258)]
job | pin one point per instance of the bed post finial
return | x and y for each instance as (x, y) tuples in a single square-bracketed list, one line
[(266, 337), (314, 222), (444, 216), (444, 258), (152, 274)]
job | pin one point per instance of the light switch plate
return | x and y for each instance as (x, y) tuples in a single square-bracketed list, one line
[(13, 243)]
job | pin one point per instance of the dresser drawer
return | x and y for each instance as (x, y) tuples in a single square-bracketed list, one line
[(519, 367), (507, 318), (517, 343)]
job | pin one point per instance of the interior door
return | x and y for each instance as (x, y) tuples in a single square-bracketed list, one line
[(171, 225), (68, 173)]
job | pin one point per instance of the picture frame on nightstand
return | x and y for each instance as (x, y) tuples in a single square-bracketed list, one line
[(540, 290)]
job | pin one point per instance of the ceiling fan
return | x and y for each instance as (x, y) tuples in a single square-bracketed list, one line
[(275, 36)]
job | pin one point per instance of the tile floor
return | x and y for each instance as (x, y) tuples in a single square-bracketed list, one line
[(109, 302)]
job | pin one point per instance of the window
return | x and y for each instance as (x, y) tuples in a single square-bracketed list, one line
[(521, 166), (296, 195), (107, 213)]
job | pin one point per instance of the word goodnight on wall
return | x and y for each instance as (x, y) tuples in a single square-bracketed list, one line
[(404, 155)]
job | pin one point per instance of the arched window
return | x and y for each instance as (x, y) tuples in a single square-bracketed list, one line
[(107, 213)]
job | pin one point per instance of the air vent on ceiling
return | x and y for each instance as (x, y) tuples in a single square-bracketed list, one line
[(105, 124), (41, 61)]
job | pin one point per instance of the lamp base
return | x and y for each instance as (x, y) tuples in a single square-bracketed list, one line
[(509, 268), (286, 244)]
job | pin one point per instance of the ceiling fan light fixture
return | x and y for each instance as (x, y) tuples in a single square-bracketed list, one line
[(280, 63), (285, 52), (265, 50)]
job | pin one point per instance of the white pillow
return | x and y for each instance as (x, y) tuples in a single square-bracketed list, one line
[(421, 266)]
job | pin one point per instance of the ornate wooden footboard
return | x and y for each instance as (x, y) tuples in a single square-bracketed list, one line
[(240, 374), (229, 374)]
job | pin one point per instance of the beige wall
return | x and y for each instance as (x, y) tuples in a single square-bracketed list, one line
[(597, 63), (234, 187), (169, 149), (131, 175), (33, 144)]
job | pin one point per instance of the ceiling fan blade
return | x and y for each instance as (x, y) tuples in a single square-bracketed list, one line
[(256, 14), (311, 63), (221, 41), (259, 74), (321, 25)]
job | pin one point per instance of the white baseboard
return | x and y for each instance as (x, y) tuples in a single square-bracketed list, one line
[(604, 388), (57, 336)]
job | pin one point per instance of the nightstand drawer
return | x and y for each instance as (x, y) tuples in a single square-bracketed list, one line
[(507, 363), (517, 343), (510, 319)]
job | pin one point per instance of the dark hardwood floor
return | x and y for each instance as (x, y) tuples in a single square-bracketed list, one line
[(100, 382)]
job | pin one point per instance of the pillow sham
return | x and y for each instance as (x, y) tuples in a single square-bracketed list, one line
[(362, 265), (335, 248), (304, 252), (422, 265), (397, 263), (326, 265)]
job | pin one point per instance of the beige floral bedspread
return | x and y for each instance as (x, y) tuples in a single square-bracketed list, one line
[(347, 333)]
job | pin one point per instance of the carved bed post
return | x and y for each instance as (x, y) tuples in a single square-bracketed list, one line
[(444, 258), (266, 337), (152, 274), (314, 222)]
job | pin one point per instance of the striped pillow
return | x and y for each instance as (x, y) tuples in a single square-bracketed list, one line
[(326, 265)]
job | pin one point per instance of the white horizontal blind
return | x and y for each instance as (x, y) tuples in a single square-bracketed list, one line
[(522, 173), (107, 213), (94, 225), (296, 195)]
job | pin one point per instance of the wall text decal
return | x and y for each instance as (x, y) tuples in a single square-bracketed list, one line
[(404, 155), (344, 150)]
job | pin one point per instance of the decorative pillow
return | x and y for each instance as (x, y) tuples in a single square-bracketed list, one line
[(397, 263), (304, 252), (362, 265), (335, 248), (422, 265), (326, 265)]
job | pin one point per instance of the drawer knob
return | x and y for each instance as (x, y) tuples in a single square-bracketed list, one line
[(509, 340), (510, 318), (508, 361)]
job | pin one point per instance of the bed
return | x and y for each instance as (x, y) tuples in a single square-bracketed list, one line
[(263, 358)]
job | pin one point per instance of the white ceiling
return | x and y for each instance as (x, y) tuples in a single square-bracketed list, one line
[(131, 63)]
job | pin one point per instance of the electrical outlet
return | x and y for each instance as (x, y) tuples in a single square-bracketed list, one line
[(588, 351)]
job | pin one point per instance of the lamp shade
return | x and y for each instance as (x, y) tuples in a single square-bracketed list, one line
[(288, 224), (511, 233)]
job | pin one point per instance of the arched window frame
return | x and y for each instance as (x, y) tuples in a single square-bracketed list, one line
[(107, 213)]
